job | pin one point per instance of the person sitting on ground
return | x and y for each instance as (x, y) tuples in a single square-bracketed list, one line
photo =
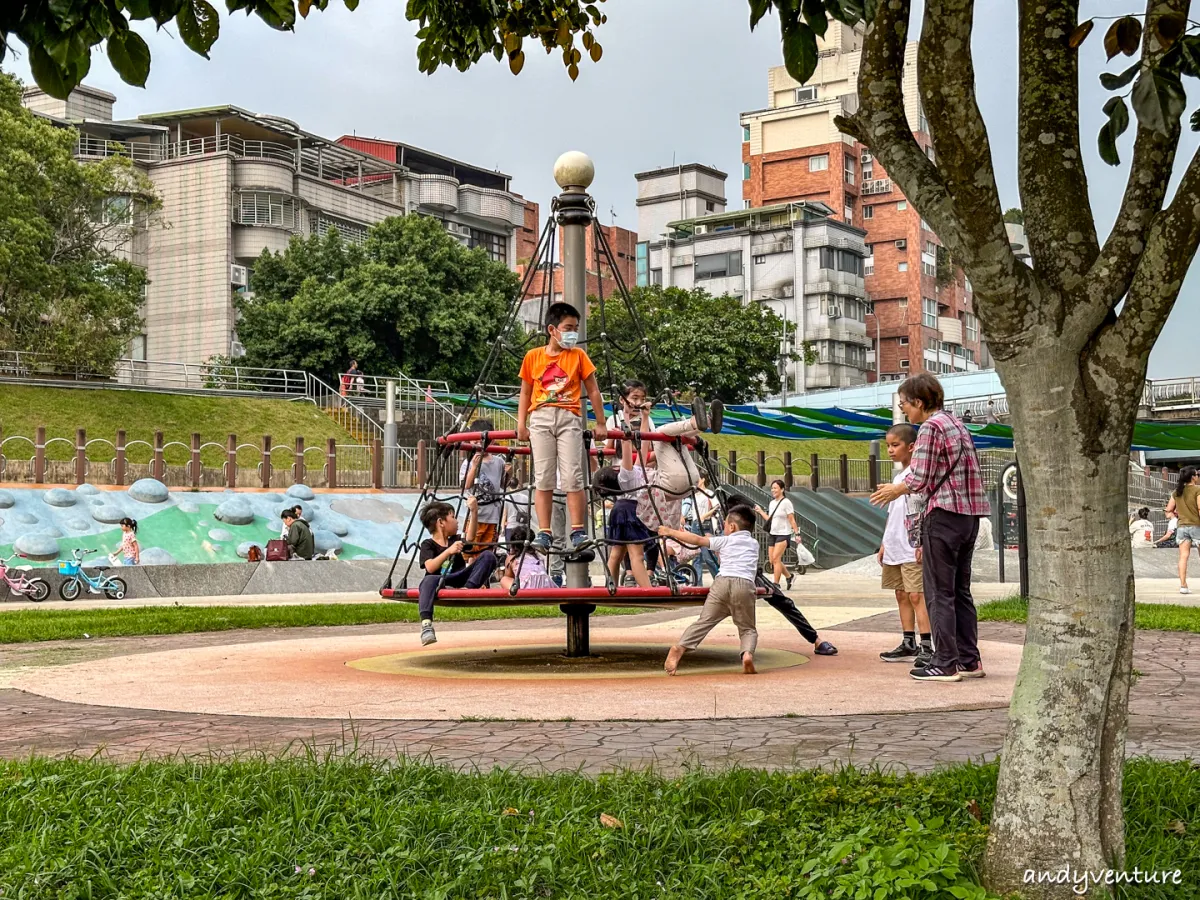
[(483, 475), (732, 593), (550, 417), (1141, 530), (776, 598), (441, 556), (1168, 539), (524, 567), (299, 536), (901, 561), (297, 513)]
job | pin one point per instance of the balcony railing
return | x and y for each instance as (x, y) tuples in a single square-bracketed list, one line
[(876, 186)]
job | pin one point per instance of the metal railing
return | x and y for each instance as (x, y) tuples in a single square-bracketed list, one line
[(1170, 393), (810, 532), (344, 410)]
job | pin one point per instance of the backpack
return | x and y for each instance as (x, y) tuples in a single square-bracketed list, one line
[(254, 553)]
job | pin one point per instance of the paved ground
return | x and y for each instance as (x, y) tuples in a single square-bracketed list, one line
[(1164, 722)]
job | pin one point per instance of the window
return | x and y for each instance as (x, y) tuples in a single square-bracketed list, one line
[(849, 169), (352, 232), (929, 312), (869, 266), (760, 260), (902, 267), (266, 208), (922, 122), (745, 171), (708, 206), (868, 167), (968, 285), (972, 327), (849, 262), (656, 276), (929, 152), (902, 244), (903, 342), (718, 265), (904, 363), (643, 263), (496, 245), (903, 303), (137, 347), (116, 210), (848, 213), (827, 258), (868, 212), (931, 248), (745, 133), (901, 205), (818, 163), (806, 94), (928, 266)]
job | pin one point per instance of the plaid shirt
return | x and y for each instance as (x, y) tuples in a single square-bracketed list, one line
[(940, 443)]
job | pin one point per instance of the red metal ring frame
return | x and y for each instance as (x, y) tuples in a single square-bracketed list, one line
[(470, 440)]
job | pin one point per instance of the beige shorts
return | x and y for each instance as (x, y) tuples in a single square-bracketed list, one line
[(904, 577), (556, 439)]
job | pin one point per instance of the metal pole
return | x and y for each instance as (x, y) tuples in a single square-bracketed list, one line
[(1022, 534), (390, 436)]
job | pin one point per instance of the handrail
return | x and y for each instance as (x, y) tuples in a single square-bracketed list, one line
[(326, 397)]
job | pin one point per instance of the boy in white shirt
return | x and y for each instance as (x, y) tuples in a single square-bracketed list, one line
[(902, 562), (732, 593)]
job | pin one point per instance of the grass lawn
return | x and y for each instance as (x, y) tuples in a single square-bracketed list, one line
[(28, 625), (103, 412), (348, 827), (1146, 616), (748, 446)]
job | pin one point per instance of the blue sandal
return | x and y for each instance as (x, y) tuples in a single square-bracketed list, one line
[(825, 649)]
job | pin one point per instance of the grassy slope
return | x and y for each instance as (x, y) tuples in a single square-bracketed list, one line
[(102, 413), (747, 447)]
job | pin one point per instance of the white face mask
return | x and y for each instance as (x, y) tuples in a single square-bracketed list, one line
[(568, 338)]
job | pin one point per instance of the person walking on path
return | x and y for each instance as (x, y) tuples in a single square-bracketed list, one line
[(781, 525), (1185, 503), (945, 471)]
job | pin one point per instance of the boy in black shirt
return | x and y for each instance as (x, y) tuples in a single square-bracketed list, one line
[(441, 557)]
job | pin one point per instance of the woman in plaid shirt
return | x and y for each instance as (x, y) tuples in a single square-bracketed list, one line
[(945, 487)]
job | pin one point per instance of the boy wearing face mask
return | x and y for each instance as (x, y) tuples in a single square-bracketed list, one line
[(550, 417)]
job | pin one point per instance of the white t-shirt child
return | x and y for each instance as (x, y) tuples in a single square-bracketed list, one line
[(896, 548), (1141, 533), (737, 553), (780, 510)]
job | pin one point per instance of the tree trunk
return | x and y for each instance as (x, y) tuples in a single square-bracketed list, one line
[(1058, 800)]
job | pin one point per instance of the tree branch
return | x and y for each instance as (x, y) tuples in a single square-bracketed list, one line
[(1053, 183), (1149, 173)]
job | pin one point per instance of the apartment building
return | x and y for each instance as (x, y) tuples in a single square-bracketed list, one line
[(796, 258), (233, 183), (922, 314)]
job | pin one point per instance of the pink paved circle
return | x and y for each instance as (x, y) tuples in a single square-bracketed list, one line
[(310, 678)]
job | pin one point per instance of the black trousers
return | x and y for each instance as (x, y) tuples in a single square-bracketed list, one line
[(475, 575), (948, 545), (788, 609)]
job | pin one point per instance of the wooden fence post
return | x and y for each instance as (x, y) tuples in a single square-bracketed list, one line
[(158, 468), (39, 455), (733, 461), (787, 469), (231, 462), (873, 475), (266, 462), (80, 456), (195, 463), (844, 474), (331, 463), (422, 463), (814, 477), (377, 464), (299, 468), (119, 474), (762, 468)]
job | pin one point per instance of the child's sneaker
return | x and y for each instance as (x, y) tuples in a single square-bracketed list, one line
[(906, 652), (544, 541), (579, 537), (708, 418), (428, 635)]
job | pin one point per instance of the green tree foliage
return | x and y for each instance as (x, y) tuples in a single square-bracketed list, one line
[(715, 345), (64, 290), (411, 298), (1014, 216)]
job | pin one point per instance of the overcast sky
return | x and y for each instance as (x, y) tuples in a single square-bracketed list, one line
[(674, 76)]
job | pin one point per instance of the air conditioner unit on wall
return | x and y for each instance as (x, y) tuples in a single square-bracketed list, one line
[(902, 244), (238, 276), (866, 157)]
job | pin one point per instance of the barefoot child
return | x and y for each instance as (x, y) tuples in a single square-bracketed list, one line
[(902, 562), (732, 592), (441, 556), (550, 417), (523, 567)]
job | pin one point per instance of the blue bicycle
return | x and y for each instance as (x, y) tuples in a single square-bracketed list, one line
[(75, 578)]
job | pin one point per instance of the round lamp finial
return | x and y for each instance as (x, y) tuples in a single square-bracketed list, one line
[(574, 169)]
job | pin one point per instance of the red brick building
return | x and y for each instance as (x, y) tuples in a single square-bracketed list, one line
[(923, 317)]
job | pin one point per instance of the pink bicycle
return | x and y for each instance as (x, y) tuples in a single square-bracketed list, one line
[(34, 588)]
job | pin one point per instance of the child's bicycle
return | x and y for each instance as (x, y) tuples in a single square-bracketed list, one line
[(75, 578), (34, 588)]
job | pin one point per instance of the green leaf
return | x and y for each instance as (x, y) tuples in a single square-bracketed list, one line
[(758, 9), (351, 5), (279, 14), (48, 74), (1111, 82), (814, 15), (163, 11), (198, 26), (99, 19), (130, 56), (1158, 100), (1188, 49), (138, 9), (1118, 121), (800, 52), (849, 12), (1196, 120)]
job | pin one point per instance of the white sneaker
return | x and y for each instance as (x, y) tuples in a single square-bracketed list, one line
[(1185, 590)]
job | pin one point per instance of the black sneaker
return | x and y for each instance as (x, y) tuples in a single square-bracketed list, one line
[(924, 658), (906, 652), (716, 417), (935, 673), (428, 635), (700, 414)]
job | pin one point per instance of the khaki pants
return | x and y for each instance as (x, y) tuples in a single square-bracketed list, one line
[(727, 597), (556, 441)]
